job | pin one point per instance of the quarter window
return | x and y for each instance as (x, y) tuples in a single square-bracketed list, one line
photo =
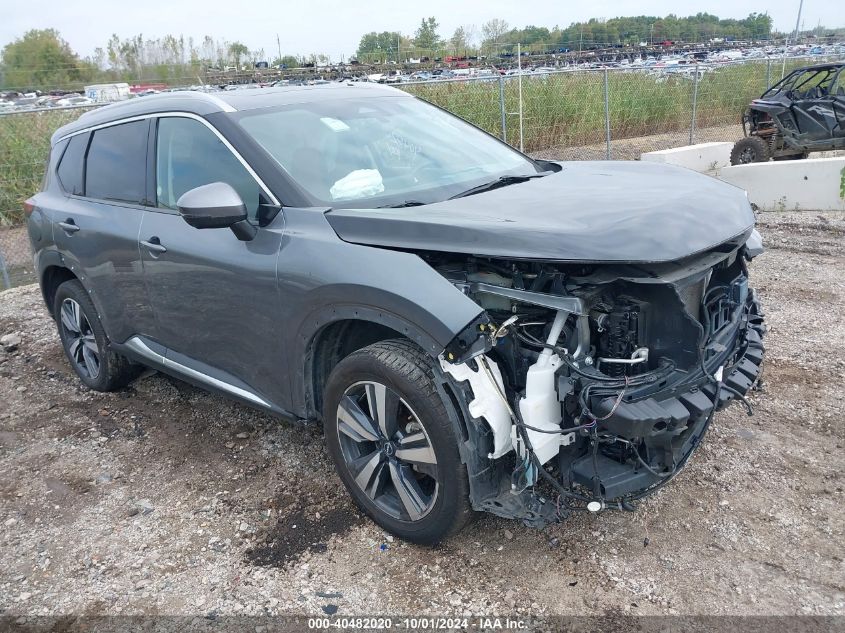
[(116, 164), (70, 167), (189, 155)]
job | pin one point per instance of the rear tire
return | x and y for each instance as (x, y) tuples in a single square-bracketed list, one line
[(751, 149), (393, 444), (85, 342)]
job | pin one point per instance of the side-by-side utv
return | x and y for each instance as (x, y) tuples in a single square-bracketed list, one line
[(802, 113)]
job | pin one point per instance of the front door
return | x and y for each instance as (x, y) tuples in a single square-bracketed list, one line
[(215, 298)]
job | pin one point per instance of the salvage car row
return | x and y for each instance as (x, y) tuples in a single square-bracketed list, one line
[(681, 66)]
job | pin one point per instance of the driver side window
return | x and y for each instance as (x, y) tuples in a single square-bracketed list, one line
[(189, 155)]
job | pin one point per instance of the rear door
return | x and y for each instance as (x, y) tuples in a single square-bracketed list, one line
[(215, 298), (104, 177)]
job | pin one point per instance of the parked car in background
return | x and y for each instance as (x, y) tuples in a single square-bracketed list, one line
[(74, 101), (26, 102), (474, 329), (802, 113), (107, 93), (391, 77)]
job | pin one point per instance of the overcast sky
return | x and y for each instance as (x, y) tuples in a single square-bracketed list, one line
[(334, 27)]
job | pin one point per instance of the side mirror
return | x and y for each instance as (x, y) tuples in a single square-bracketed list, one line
[(216, 206)]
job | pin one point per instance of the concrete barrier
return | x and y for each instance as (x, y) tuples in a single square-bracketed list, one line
[(704, 157), (814, 184)]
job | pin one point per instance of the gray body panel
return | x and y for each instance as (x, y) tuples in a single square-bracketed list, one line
[(588, 211), (323, 279)]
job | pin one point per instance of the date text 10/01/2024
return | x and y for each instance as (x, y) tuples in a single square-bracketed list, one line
[(424, 623)]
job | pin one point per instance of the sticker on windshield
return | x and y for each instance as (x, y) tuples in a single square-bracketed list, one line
[(335, 124), (360, 183)]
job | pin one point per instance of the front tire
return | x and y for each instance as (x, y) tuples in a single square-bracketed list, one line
[(393, 444), (751, 149), (85, 342)]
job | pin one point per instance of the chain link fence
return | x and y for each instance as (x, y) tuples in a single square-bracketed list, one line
[(616, 113), (567, 114)]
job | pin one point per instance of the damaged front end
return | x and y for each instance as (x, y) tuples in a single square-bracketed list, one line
[(589, 386)]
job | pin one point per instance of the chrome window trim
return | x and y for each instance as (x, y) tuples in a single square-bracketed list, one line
[(91, 128), (111, 203), (184, 115)]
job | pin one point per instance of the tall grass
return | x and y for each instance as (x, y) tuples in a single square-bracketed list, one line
[(568, 109)]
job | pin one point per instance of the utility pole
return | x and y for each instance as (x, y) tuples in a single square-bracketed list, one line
[(279, 44), (798, 20), (786, 44), (519, 75)]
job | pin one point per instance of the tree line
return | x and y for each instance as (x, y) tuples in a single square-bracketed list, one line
[(42, 59), (496, 36)]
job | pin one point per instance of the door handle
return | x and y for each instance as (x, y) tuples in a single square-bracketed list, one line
[(154, 245), (69, 226)]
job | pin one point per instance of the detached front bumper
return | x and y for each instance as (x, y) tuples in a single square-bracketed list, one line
[(671, 422)]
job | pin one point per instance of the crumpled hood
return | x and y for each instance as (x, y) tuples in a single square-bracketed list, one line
[(597, 211)]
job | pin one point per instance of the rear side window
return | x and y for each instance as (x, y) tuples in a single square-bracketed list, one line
[(116, 165), (70, 167)]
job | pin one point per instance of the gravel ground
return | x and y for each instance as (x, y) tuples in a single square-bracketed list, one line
[(163, 499)]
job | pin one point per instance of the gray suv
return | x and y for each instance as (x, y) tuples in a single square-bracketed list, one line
[(476, 330)]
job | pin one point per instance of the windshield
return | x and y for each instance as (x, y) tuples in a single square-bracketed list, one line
[(380, 151)]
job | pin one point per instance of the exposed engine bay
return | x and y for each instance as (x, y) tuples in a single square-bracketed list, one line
[(589, 386)]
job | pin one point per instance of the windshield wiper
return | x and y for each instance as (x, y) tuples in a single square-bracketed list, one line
[(502, 181), (401, 205)]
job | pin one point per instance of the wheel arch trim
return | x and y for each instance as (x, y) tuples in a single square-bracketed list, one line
[(50, 260), (316, 324)]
